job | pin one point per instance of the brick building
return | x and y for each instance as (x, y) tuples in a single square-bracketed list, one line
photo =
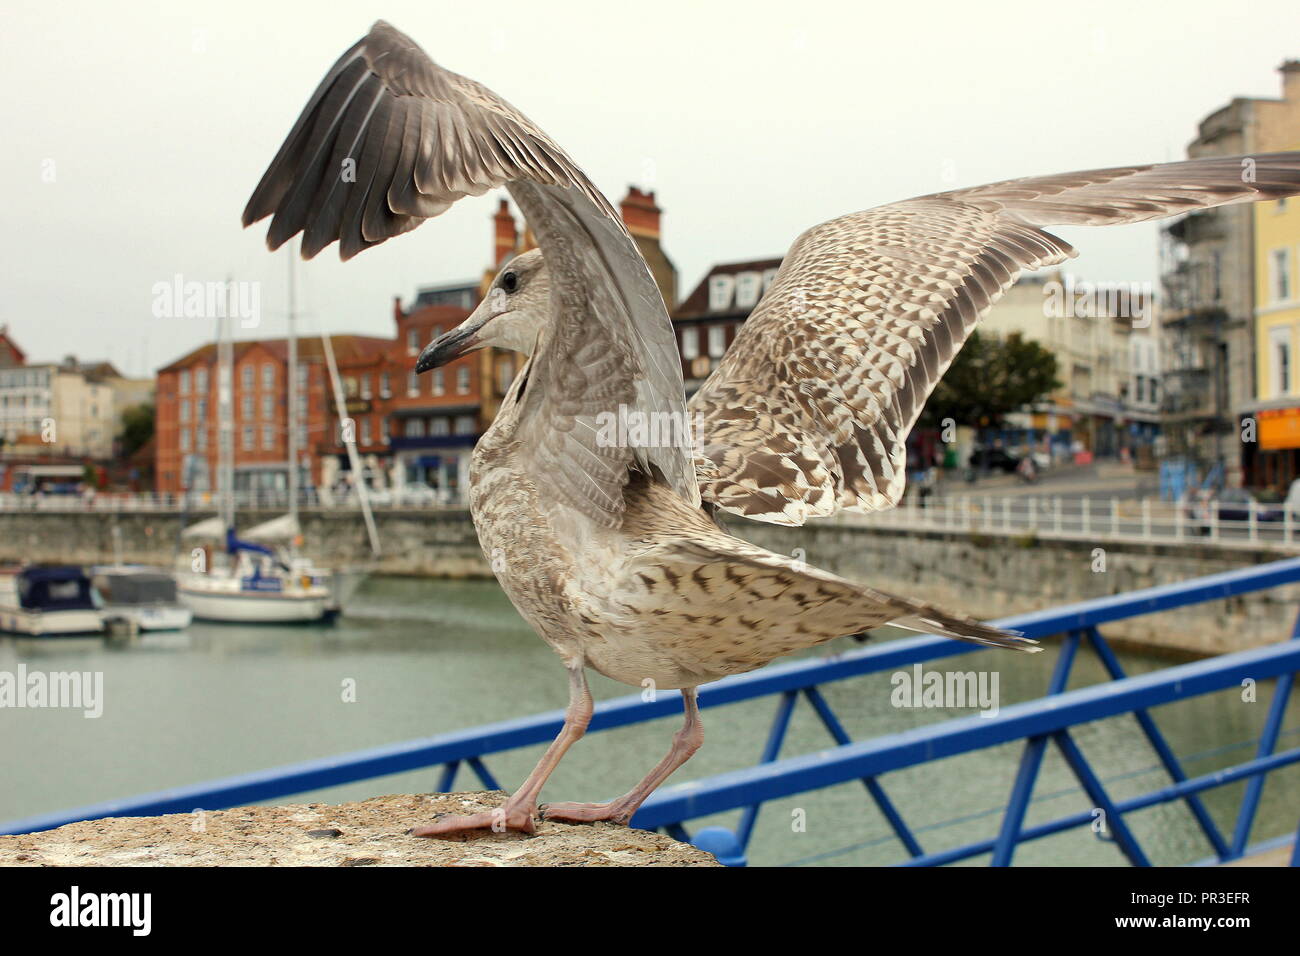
[(186, 399), (409, 429), (708, 319)]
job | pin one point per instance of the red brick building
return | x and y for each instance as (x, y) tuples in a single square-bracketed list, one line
[(186, 399), (409, 429), (708, 319)]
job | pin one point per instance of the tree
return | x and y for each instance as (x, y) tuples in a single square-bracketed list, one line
[(990, 378), (137, 428)]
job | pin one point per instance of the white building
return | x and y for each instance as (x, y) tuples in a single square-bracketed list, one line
[(55, 407)]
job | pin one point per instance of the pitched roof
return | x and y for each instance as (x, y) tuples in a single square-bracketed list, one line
[(696, 304), (346, 347)]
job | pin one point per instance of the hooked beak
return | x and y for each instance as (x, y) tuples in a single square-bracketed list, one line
[(448, 346)]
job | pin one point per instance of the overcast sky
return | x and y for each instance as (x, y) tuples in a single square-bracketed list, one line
[(752, 122)]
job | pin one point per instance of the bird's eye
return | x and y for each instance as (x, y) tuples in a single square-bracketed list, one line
[(510, 282)]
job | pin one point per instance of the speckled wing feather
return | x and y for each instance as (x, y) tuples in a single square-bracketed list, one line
[(810, 408), (390, 139)]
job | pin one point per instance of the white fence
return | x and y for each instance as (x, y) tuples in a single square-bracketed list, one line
[(201, 502), (1095, 519), (1077, 518)]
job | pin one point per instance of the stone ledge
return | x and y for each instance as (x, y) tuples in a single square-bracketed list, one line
[(369, 833)]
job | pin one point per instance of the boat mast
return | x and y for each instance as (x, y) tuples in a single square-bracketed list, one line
[(293, 393), (225, 416), (350, 442)]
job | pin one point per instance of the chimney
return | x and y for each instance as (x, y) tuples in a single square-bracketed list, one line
[(398, 314), (640, 214), (505, 234), (1290, 71)]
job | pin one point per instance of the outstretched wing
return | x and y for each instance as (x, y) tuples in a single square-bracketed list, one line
[(390, 139), (810, 408)]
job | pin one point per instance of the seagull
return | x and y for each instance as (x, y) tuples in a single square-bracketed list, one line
[(597, 489)]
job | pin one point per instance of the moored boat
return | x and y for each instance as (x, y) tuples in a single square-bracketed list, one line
[(48, 601), (141, 598)]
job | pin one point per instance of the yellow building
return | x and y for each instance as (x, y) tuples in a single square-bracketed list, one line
[(1277, 302)]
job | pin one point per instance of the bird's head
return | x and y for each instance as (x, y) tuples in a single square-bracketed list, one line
[(511, 315)]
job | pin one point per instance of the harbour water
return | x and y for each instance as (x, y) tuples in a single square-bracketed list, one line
[(420, 657)]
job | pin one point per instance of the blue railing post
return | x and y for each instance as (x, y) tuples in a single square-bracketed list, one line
[(1031, 759)]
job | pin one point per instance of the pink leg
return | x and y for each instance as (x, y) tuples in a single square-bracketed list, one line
[(517, 812), (685, 742)]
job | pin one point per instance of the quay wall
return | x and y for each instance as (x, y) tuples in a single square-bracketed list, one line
[(986, 575)]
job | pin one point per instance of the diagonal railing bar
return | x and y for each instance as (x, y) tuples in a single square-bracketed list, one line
[(771, 750), (1096, 792), (448, 776), (484, 774), (841, 736), (1031, 760), (1158, 743), (1267, 743)]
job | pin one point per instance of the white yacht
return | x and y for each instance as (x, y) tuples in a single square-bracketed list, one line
[(258, 584)]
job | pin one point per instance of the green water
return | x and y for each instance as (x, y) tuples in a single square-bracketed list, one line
[(425, 657)]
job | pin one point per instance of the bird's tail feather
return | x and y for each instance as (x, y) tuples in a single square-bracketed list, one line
[(931, 620)]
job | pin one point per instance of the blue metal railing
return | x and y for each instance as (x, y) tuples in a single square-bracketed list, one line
[(1039, 723)]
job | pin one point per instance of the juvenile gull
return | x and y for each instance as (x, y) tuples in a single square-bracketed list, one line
[(609, 548)]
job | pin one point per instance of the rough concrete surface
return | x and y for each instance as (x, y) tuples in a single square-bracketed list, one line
[(369, 833)]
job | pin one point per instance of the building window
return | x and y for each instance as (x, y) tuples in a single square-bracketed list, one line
[(717, 340), (439, 425), (365, 431), (268, 407), (268, 438), (246, 438), (385, 386), (383, 430), (268, 376), (365, 386), (302, 376), (721, 288), (201, 438), (414, 428), (202, 408), (302, 436), (185, 409), (465, 424), (438, 386), (201, 381), (1280, 343), (412, 341), (185, 439), (462, 380), (412, 383), (246, 407), (1280, 274), (246, 376), (690, 343), (185, 382), (749, 285)]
